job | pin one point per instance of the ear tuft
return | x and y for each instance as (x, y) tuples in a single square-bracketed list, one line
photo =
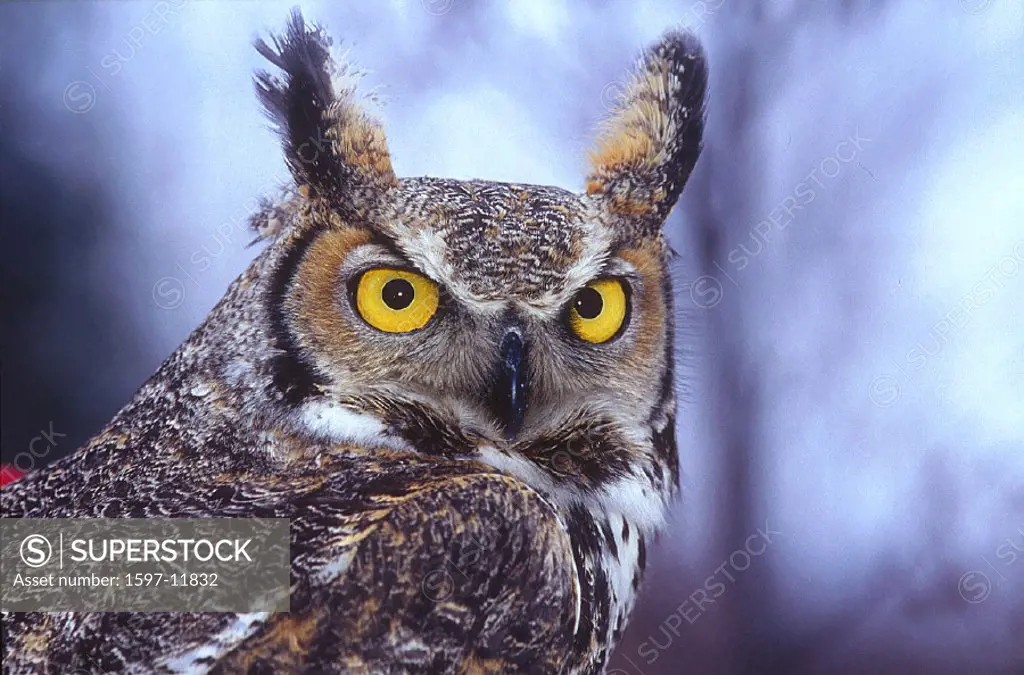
[(652, 140), (330, 144)]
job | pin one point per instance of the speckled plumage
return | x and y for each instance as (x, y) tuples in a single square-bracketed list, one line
[(425, 538)]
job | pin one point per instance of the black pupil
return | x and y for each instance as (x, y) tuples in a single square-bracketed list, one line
[(398, 294), (589, 303)]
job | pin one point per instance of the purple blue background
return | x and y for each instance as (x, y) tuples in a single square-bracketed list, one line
[(852, 370)]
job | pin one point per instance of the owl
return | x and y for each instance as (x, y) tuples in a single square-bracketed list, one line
[(421, 374)]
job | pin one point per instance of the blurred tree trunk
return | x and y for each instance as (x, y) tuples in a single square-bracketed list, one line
[(721, 221)]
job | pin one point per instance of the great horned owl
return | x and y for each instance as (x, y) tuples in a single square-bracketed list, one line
[(428, 367)]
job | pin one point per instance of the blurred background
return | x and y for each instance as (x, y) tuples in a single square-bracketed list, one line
[(850, 282)]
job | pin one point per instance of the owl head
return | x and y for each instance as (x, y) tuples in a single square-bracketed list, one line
[(526, 326)]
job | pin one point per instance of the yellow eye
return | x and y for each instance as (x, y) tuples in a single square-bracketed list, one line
[(598, 310), (396, 301)]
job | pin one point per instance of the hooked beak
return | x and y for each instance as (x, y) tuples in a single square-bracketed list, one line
[(508, 397)]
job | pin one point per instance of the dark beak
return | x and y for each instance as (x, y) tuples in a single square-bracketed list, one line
[(508, 397)]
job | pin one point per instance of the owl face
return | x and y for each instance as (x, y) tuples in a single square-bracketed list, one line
[(500, 313), (527, 325)]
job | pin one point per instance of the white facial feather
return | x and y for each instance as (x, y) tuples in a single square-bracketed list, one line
[(329, 420), (631, 497)]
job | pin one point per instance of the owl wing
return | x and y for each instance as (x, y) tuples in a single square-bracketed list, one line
[(471, 573), (399, 564)]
